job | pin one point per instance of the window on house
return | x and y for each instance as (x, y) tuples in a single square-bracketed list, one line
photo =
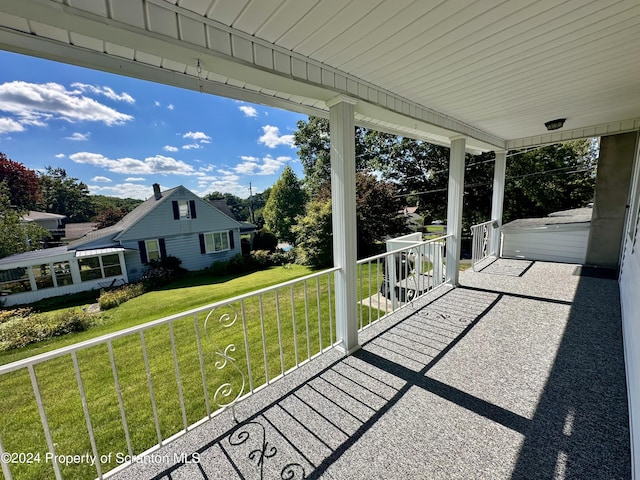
[(44, 279), (93, 268), (15, 280), (153, 249), (111, 265), (184, 209), (63, 273), (216, 242), (89, 268)]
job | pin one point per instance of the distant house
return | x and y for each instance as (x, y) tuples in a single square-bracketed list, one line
[(172, 223), (52, 222), (412, 218)]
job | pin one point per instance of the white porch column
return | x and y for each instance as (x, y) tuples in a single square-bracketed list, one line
[(497, 201), (343, 204), (454, 208), (123, 266)]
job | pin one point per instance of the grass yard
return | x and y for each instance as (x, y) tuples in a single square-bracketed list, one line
[(292, 331)]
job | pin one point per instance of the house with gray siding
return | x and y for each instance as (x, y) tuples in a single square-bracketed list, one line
[(174, 223)]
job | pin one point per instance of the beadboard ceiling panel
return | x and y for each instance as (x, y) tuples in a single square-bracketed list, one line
[(492, 70)]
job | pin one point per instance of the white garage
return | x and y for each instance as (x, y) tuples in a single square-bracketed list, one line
[(560, 237)]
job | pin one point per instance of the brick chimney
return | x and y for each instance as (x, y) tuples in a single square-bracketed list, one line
[(156, 191)]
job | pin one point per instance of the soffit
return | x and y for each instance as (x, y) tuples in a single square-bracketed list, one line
[(492, 70)]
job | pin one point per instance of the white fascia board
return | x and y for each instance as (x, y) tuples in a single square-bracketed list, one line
[(559, 136)]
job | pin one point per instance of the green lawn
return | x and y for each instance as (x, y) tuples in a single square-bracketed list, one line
[(292, 330)]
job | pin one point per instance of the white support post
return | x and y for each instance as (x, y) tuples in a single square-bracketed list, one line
[(123, 267), (343, 204), (454, 208), (497, 201)]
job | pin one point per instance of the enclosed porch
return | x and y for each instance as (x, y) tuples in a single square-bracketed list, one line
[(517, 373)]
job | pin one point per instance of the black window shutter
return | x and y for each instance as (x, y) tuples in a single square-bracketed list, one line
[(231, 241), (192, 208), (176, 210), (163, 248), (203, 248), (143, 251)]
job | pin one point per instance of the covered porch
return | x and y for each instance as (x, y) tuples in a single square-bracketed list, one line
[(518, 370), (517, 373)]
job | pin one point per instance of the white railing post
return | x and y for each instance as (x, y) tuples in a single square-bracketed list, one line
[(497, 200), (454, 208), (343, 198), (481, 239)]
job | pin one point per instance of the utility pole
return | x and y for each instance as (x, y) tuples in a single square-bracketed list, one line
[(253, 218)]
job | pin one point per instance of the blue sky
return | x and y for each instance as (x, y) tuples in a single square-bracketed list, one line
[(120, 135)]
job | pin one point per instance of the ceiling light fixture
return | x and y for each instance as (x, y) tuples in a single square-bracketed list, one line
[(555, 124)]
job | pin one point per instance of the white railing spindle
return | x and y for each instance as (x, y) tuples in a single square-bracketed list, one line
[(87, 416)]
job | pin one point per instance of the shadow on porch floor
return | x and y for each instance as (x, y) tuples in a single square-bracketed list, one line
[(518, 373)]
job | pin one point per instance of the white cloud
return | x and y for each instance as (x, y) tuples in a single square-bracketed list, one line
[(134, 179), (191, 146), (38, 103), (170, 148), (254, 166), (158, 164), (198, 137), (248, 111), (272, 137), (106, 91), (60, 155), (170, 106), (8, 125), (79, 137), (226, 183), (101, 179)]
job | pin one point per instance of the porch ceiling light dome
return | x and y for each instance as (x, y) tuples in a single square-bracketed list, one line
[(555, 124)]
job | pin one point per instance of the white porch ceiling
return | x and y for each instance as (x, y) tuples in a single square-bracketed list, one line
[(491, 70)]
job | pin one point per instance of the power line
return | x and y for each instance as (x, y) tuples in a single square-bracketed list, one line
[(482, 184)]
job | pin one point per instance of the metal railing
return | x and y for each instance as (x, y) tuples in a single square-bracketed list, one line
[(388, 281), (481, 238), (132, 391)]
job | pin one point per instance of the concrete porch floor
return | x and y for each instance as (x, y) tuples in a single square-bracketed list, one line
[(518, 373)]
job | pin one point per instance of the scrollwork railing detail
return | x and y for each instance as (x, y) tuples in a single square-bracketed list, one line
[(263, 450), (224, 394)]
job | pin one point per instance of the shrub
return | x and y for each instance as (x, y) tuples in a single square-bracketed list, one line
[(162, 272), (219, 269), (261, 258), (118, 296), (239, 264), (265, 240), (7, 315), (282, 257), (24, 329)]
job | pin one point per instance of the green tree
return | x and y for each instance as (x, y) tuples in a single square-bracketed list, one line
[(65, 195), (313, 233), (377, 217), (313, 139), (100, 203), (286, 202), (22, 183), (548, 179), (109, 216), (17, 236)]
